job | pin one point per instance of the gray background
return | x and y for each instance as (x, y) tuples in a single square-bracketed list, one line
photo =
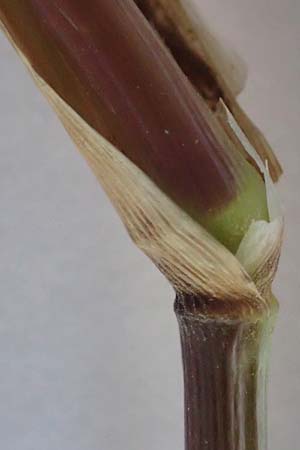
[(89, 348)]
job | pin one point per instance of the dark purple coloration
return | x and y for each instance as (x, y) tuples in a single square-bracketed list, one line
[(104, 59), (224, 378)]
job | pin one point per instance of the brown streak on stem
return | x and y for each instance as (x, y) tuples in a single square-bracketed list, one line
[(172, 23), (191, 62)]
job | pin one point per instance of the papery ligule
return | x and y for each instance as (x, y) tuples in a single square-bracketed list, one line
[(259, 252)]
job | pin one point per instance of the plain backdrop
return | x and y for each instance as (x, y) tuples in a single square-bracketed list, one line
[(89, 347)]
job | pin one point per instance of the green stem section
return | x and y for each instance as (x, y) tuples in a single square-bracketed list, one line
[(225, 365)]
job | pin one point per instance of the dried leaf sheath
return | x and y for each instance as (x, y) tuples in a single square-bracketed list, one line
[(140, 101), (190, 258)]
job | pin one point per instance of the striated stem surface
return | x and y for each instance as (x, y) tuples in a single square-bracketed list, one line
[(225, 363)]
